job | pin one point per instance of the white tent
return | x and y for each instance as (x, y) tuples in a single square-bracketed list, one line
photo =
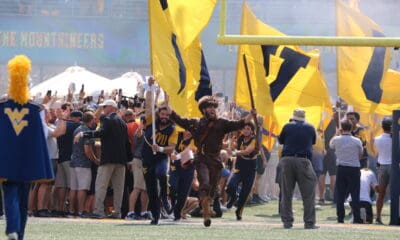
[(130, 83), (73, 76)]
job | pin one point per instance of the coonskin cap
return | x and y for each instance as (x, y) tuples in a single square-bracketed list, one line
[(207, 101)]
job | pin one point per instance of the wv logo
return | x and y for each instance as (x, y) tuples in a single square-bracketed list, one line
[(292, 62), (16, 117)]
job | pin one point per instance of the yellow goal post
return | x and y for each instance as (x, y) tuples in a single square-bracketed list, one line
[(233, 39)]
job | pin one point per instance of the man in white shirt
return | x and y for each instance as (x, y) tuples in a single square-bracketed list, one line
[(383, 148), (348, 150)]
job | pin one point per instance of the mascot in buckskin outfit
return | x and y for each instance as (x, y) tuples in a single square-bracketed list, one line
[(208, 133)]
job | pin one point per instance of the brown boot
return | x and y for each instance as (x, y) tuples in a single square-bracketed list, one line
[(205, 205)]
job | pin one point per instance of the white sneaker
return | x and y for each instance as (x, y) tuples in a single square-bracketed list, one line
[(12, 236), (363, 214), (351, 219), (265, 198), (131, 216)]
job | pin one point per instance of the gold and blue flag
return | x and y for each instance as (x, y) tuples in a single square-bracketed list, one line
[(282, 77), (364, 78), (177, 59)]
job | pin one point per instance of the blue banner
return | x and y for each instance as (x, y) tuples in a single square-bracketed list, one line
[(94, 41)]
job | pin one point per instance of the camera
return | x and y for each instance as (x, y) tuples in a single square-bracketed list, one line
[(131, 102)]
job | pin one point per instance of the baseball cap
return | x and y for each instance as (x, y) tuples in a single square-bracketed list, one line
[(76, 113), (109, 102)]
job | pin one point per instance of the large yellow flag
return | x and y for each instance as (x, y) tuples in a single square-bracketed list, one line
[(177, 59), (283, 78), (260, 87), (364, 78), (188, 18)]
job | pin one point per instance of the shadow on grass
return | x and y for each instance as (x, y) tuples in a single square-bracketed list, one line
[(276, 215), (146, 224)]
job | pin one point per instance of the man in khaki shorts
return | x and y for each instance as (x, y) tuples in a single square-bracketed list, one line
[(383, 149), (80, 168), (139, 185)]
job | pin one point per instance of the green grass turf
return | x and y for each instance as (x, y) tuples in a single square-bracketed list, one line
[(259, 222)]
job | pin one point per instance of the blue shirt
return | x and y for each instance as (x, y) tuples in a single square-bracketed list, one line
[(297, 138), (78, 157)]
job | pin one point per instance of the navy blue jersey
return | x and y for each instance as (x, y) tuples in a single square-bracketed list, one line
[(181, 144), (164, 137), (245, 162), (65, 142)]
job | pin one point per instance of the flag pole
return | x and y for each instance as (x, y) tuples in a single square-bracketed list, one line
[(252, 102), (153, 114), (153, 117), (149, 3), (232, 110)]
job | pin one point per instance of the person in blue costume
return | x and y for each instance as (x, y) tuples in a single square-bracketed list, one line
[(24, 155)]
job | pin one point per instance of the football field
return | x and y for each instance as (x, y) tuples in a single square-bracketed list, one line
[(259, 222)]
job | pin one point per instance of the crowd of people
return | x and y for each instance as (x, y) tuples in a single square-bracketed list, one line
[(106, 165), (166, 185), (342, 152), (111, 159)]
